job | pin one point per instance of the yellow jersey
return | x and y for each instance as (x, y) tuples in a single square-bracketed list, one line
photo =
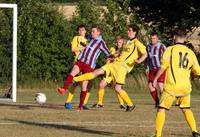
[(179, 61), (131, 51), (115, 52), (112, 50), (78, 42)]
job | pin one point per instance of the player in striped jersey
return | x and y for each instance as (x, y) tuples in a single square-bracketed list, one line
[(77, 46), (155, 50), (134, 52), (179, 62), (86, 62)]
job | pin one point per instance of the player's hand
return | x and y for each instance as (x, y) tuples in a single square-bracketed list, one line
[(155, 83), (82, 44), (137, 61), (110, 60), (82, 48), (147, 72)]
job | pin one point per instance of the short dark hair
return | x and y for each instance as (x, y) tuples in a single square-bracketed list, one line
[(97, 27), (80, 26), (179, 32), (134, 27), (154, 34)]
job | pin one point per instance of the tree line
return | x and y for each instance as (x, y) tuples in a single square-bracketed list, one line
[(44, 34)]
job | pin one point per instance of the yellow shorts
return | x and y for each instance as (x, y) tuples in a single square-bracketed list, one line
[(167, 100), (115, 72)]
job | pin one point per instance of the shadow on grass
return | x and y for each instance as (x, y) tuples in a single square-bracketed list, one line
[(63, 126), (29, 106), (180, 135)]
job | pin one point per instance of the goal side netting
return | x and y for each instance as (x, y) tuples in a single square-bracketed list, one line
[(8, 52)]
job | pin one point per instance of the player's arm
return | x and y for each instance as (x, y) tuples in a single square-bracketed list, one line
[(141, 59), (113, 52), (147, 66), (195, 66), (165, 62), (142, 50), (106, 50), (158, 74), (75, 44)]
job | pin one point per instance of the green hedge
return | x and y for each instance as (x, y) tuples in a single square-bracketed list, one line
[(44, 36), (43, 40)]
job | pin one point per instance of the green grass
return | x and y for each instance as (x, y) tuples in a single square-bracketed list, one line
[(28, 119)]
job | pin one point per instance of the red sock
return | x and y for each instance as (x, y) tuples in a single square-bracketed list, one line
[(68, 81), (155, 96), (82, 98)]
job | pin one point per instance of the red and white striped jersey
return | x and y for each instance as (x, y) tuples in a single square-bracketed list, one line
[(92, 51)]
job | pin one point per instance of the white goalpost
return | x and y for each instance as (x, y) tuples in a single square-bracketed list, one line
[(14, 53)]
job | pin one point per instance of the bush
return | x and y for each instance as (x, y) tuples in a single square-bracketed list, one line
[(43, 40), (5, 46)]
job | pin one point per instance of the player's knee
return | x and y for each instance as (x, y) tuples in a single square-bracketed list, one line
[(118, 89), (98, 72), (102, 84), (151, 88), (185, 109), (161, 109)]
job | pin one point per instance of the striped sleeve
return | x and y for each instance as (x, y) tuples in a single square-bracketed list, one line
[(161, 50), (105, 49)]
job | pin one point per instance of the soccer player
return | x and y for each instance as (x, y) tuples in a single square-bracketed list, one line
[(115, 51), (155, 51), (133, 52), (77, 46), (86, 62), (178, 61)]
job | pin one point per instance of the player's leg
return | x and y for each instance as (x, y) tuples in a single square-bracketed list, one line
[(68, 104), (100, 94), (68, 81), (160, 85), (85, 106), (160, 121), (154, 94), (166, 102), (83, 94), (121, 101), (123, 94), (185, 107), (161, 81), (190, 119), (153, 90), (89, 76)]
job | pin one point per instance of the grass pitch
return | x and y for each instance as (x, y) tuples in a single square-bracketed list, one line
[(28, 119)]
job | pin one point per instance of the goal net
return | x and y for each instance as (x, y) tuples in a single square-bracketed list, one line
[(8, 52)]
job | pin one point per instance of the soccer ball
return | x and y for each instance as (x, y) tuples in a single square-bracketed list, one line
[(40, 98)]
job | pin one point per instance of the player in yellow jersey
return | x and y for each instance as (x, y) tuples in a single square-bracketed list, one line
[(77, 46), (134, 52), (178, 61), (115, 51)]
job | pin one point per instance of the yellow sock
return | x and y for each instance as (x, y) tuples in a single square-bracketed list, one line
[(101, 93), (160, 120), (86, 98), (121, 102), (71, 94), (86, 76), (190, 120), (126, 98)]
